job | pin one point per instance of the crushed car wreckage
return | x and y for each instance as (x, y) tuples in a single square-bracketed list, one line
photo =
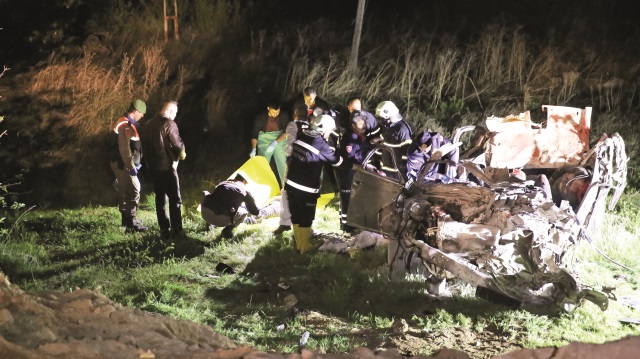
[(522, 197)]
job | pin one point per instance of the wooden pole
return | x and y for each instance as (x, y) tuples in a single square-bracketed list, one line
[(173, 17), (355, 45), (166, 26)]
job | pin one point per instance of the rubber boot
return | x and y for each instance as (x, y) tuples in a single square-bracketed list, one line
[(295, 235), (303, 239)]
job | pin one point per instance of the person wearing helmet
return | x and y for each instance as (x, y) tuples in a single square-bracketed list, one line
[(329, 177), (354, 150), (165, 148), (397, 135), (125, 163), (309, 152), (299, 122), (268, 137)]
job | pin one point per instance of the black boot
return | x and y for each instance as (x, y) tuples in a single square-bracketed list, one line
[(227, 232), (132, 225), (282, 229)]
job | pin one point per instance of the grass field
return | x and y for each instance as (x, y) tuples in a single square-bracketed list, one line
[(272, 285)]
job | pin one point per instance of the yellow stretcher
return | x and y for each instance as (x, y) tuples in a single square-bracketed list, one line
[(262, 183)]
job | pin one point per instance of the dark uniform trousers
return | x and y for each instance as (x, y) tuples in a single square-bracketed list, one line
[(345, 178), (302, 206), (166, 185)]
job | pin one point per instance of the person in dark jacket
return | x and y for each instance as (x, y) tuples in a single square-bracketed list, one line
[(126, 162), (315, 105), (164, 149), (397, 135), (422, 149), (268, 137), (372, 131), (354, 149), (229, 205), (310, 152), (300, 120)]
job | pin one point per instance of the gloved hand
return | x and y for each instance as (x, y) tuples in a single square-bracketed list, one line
[(272, 146), (133, 171), (252, 154), (183, 154), (377, 140)]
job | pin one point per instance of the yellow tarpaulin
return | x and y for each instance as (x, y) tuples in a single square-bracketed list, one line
[(261, 181), (324, 199)]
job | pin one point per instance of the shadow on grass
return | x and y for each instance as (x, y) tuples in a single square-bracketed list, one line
[(347, 286), (137, 250), (321, 281)]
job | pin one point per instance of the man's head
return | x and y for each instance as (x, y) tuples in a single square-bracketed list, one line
[(300, 113), (424, 140), (572, 185), (137, 109), (388, 111), (309, 94), (273, 107), (358, 122), (170, 110), (354, 104)]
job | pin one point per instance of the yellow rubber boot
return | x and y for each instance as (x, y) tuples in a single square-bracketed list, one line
[(303, 239), (295, 234)]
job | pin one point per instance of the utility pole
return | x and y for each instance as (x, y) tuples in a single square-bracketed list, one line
[(173, 17), (355, 45)]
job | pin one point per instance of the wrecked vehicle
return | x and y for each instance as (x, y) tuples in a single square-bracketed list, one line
[(524, 195)]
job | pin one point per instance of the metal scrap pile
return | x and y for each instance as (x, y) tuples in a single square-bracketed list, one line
[(512, 235)]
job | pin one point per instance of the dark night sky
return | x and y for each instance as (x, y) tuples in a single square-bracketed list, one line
[(615, 19)]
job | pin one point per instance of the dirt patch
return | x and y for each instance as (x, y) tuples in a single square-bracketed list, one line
[(411, 341)]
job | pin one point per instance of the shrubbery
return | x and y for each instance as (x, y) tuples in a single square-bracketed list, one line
[(438, 80)]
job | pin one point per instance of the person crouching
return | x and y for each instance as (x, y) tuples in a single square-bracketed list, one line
[(228, 205)]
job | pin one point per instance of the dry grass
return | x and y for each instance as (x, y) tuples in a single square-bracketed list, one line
[(156, 69), (84, 88), (94, 95), (502, 61)]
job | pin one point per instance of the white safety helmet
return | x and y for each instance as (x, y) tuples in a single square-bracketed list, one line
[(387, 110), (325, 124)]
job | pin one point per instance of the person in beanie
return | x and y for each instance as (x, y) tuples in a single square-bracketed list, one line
[(164, 149), (125, 164)]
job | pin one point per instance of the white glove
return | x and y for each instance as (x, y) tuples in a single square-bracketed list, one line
[(272, 146)]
